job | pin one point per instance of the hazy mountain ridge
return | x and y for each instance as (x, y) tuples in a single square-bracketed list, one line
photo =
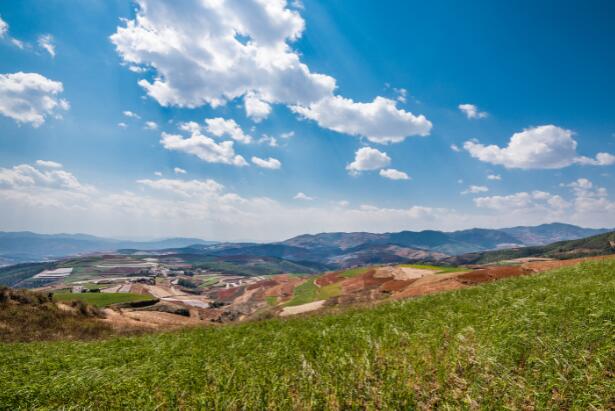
[(325, 249), (601, 244), (26, 246)]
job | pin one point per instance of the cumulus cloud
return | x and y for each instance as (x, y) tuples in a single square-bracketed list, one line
[(30, 98), (472, 112), (380, 121), (256, 108), (602, 159), (121, 124), (393, 174), (455, 148), (475, 190), (367, 158), (543, 147), (178, 170), (302, 196), (204, 147), (131, 114), (46, 42), (496, 177), (220, 127), (270, 163), (151, 125), (215, 52)]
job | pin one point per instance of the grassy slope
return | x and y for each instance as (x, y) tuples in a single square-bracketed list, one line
[(101, 299), (543, 341), (28, 316)]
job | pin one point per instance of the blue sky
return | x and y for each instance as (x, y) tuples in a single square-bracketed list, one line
[(362, 100)]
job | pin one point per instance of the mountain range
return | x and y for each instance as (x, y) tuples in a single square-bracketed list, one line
[(26, 246), (339, 250), (324, 250)]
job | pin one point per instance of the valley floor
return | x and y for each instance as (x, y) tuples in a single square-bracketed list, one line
[(532, 342)]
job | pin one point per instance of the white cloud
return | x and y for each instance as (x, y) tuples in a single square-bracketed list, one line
[(455, 148), (270, 163), (380, 121), (540, 203), (287, 135), (302, 196), (48, 164), (496, 177), (204, 148), (472, 112), (18, 43), (602, 159), (543, 147), (590, 199), (130, 114), (393, 174), (4, 30), (402, 94), (220, 127), (53, 200), (151, 125), (367, 158), (121, 124), (210, 53), (45, 41), (178, 170), (4, 27), (30, 98), (475, 189), (215, 52), (158, 173), (256, 108), (185, 188), (267, 139), (49, 175)]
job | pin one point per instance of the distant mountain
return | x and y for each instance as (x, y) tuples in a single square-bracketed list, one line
[(332, 250), (550, 233), (453, 243), (25, 246), (601, 244)]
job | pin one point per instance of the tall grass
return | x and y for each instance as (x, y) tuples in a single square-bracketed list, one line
[(543, 342)]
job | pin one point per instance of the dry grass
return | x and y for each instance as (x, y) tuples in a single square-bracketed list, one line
[(29, 316)]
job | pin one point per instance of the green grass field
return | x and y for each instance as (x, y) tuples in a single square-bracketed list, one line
[(354, 272), (540, 342), (438, 268), (309, 291), (102, 299)]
